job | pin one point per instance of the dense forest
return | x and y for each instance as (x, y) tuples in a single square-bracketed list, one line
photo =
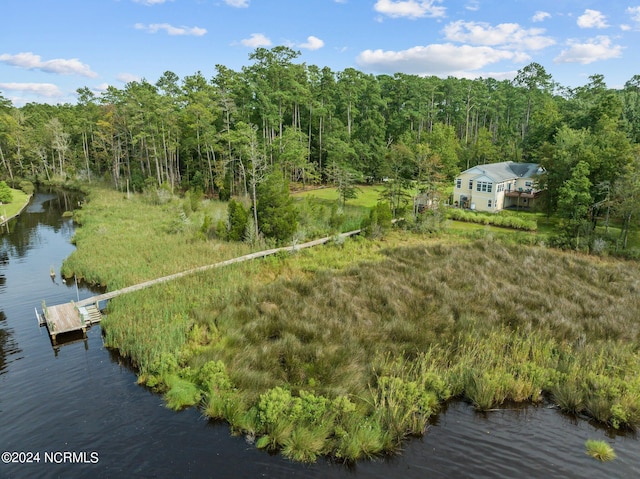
[(313, 125)]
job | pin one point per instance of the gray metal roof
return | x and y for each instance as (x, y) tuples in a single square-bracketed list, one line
[(507, 170)]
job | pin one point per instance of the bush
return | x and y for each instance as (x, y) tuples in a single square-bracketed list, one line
[(27, 187), (504, 221), (238, 216), (378, 222), (6, 195)]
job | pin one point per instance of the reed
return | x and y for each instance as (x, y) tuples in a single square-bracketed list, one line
[(348, 348)]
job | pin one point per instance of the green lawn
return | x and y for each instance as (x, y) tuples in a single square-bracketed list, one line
[(368, 195), (20, 199)]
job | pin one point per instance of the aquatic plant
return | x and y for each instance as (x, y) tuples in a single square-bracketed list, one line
[(181, 393), (600, 450), (568, 397)]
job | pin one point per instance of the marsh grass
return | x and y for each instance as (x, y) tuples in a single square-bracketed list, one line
[(600, 450), (346, 349), (133, 240)]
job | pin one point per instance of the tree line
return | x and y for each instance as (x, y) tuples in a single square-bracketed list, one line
[(225, 134)]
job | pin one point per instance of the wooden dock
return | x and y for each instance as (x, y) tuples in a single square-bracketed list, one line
[(68, 318), (80, 315)]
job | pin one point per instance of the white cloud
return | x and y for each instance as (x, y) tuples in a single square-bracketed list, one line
[(595, 49), (237, 3), (592, 19), (150, 2), (634, 12), (410, 8), (507, 35), (436, 59), (540, 16), (29, 61), (170, 29), (312, 43), (127, 77), (256, 40), (473, 5), (48, 90), (625, 28), (100, 88)]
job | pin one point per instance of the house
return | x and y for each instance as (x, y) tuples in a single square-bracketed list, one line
[(497, 186)]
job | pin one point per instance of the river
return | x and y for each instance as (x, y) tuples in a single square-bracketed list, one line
[(76, 411)]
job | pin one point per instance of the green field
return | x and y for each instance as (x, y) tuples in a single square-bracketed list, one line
[(368, 195)]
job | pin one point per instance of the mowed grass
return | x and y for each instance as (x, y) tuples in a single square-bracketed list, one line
[(368, 195), (20, 199)]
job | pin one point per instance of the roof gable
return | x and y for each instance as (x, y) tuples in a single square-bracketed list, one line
[(506, 170), (484, 178)]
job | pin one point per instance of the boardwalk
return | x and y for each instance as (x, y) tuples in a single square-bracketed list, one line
[(79, 315)]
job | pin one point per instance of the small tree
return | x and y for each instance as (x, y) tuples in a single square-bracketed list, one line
[(574, 201), (238, 218), (344, 178), (277, 217), (378, 222), (6, 195)]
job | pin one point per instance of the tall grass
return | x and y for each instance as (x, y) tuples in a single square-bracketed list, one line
[(349, 348), (600, 450), (133, 240)]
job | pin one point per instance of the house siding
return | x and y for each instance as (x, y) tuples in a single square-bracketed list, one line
[(465, 196)]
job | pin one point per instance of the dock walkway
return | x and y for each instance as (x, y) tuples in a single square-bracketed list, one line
[(80, 315)]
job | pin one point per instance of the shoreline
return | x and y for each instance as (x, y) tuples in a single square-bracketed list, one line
[(4, 220)]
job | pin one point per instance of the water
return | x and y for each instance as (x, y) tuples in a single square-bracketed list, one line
[(82, 398)]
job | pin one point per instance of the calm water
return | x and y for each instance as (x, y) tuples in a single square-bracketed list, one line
[(83, 399)]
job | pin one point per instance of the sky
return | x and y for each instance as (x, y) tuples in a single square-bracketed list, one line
[(50, 48)]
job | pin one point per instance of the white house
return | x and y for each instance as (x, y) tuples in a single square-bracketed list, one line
[(497, 186)]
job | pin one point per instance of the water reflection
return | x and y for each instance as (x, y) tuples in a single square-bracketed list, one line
[(8, 345)]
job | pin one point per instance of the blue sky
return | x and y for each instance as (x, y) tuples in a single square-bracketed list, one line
[(49, 48)]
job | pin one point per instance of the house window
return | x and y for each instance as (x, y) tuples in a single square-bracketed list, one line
[(459, 183), (470, 184), (527, 184), (489, 203), (484, 186), (500, 187)]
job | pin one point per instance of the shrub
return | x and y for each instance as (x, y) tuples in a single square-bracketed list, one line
[(378, 222), (238, 216), (27, 187), (181, 393), (504, 221), (6, 195)]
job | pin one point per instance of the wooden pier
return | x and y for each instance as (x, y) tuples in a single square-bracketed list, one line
[(80, 315), (68, 318)]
